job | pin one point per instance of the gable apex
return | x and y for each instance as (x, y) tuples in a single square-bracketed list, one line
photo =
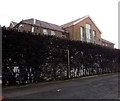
[(72, 23), (81, 19)]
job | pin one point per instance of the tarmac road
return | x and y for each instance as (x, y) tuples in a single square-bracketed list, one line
[(99, 87)]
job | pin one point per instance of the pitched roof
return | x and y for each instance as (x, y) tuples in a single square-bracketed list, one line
[(103, 40), (72, 23), (14, 23), (43, 24)]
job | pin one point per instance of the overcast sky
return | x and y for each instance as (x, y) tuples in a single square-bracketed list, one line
[(103, 12)]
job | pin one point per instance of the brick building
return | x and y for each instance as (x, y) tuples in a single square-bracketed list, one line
[(37, 26), (83, 29), (107, 43)]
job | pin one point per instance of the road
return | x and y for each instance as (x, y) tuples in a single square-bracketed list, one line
[(99, 87)]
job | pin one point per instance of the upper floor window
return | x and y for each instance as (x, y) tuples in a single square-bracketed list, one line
[(88, 26), (88, 32), (52, 32), (45, 31), (63, 36), (94, 36), (32, 30), (82, 33), (21, 25)]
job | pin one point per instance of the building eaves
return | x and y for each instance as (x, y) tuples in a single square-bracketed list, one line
[(43, 24), (72, 23), (14, 23), (103, 40)]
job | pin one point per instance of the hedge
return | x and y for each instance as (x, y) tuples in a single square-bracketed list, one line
[(30, 58)]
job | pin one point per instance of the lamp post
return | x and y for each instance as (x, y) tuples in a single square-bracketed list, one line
[(68, 61)]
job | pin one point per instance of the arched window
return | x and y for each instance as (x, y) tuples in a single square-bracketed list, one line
[(94, 36), (88, 33), (82, 33)]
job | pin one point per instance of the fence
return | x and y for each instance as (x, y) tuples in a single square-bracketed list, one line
[(29, 58)]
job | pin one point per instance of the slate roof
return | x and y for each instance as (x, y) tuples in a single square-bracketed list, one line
[(103, 40), (43, 24), (14, 23)]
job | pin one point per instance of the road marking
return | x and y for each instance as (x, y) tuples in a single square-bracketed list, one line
[(59, 90)]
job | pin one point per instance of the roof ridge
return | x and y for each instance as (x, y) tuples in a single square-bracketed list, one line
[(72, 22), (43, 24), (47, 22), (107, 40)]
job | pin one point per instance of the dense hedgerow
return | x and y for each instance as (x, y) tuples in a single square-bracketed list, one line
[(29, 58)]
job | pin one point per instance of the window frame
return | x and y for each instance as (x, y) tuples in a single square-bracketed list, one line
[(82, 33), (45, 31), (53, 32), (33, 29), (94, 36), (88, 32)]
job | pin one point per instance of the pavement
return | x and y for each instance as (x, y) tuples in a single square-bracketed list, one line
[(98, 87)]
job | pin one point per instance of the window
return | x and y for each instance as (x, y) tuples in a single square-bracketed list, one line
[(45, 32), (88, 32), (32, 30), (20, 25), (82, 33), (63, 36), (52, 32), (94, 36)]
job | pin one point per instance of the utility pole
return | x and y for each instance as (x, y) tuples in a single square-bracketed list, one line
[(119, 26), (0, 49), (68, 54)]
